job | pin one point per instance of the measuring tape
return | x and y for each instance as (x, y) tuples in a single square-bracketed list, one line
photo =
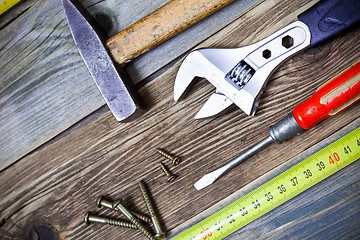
[(6, 4), (278, 190)]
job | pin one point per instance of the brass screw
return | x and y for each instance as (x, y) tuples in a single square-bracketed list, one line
[(101, 202), (132, 219), (160, 234), (175, 159), (170, 176), (90, 218)]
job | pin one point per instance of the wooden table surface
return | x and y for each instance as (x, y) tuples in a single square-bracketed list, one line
[(61, 148)]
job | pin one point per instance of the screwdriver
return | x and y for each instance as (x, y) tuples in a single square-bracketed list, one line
[(330, 99)]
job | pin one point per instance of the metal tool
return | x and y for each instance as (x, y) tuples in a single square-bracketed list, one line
[(240, 74), (170, 177), (329, 100), (160, 234), (128, 44), (173, 158), (92, 218), (132, 219), (277, 190), (102, 202)]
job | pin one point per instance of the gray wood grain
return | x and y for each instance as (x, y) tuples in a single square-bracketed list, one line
[(42, 80), (45, 87), (14, 12)]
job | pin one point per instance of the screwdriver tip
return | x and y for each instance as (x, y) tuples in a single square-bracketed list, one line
[(205, 181)]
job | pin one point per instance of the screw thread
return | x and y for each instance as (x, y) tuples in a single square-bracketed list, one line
[(146, 198), (142, 229), (174, 159), (140, 216), (167, 173), (133, 220), (119, 223), (102, 202), (92, 218), (170, 176), (159, 232), (165, 153)]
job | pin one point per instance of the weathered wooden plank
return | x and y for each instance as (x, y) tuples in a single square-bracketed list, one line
[(15, 11), (58, 183), (146, 64), (45, 87), (37, 61)]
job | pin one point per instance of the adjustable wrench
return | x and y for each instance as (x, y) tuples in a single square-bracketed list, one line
[(240, 74)]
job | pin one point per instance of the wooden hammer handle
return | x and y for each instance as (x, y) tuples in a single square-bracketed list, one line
[(160, 25)]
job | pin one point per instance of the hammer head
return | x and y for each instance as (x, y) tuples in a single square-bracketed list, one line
[(112, 83)]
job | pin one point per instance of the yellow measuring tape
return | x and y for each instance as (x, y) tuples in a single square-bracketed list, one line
[(6, 4), (278, 190)]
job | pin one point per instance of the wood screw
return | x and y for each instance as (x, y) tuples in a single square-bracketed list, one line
[(102, 202), (160, 234), (132, 219), (174, 159), (91, 218), (170, 176)]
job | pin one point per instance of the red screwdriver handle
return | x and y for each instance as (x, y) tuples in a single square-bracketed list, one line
[(330, 99)]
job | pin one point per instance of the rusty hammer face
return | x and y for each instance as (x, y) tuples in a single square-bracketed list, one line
[(112, 83)]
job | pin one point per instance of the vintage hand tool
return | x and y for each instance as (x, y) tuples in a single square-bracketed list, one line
[(329, 100), (167, 21), (240, 75)]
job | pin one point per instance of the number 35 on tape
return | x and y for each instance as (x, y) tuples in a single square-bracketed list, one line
[(278, 190)]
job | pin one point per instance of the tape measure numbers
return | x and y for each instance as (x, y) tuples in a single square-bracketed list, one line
[(278, 190), (7, 4)]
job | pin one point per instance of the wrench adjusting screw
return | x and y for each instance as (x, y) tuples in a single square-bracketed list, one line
[(174, 159), (91, 218), (102, 202), (170, 176), (160, 234), (132, 219)]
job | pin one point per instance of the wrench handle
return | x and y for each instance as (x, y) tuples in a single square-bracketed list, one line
[(330, 99), (328, 18)]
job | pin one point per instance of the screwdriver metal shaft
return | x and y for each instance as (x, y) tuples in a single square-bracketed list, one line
[(281, 131), (329, 100), (212, 176)]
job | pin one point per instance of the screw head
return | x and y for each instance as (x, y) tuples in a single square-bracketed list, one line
[(171, 178), (98, 201), (87, 215), (115, 204), (176, 160), (160, 235)]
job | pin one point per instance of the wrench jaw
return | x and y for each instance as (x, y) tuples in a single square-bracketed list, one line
[(211, 64), (217, 104), (214, 64), (193, 66)]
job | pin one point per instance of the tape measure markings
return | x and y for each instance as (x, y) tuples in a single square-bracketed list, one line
[(278, 190)]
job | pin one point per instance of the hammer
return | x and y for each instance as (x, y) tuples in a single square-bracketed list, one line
[(162, 24)]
